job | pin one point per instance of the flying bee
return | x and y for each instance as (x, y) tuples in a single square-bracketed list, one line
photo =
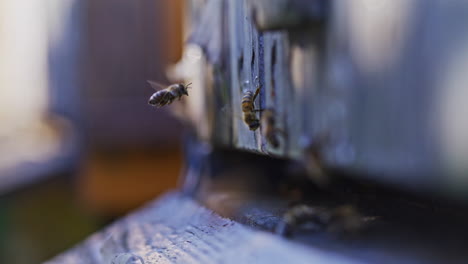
[(249, 115), (167, 94), (269, 130)]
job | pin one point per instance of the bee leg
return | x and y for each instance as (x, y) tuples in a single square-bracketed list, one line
[(169, 98), (256, 93)]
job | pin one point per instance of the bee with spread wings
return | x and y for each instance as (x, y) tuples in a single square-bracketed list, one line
[(167, 94)]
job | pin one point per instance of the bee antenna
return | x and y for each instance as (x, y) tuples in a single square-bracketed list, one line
[(188, 85)]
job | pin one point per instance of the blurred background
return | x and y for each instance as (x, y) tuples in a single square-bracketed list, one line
[(79, 145)]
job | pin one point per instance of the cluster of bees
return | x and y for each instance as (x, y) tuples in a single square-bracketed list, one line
[(167, 95), (344, 219)]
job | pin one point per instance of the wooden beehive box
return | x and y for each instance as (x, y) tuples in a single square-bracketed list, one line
[(357, 85)]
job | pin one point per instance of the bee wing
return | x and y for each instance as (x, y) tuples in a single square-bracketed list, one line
[(157, 86)]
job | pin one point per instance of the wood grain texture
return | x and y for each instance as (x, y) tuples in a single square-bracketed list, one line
[(175, 229)]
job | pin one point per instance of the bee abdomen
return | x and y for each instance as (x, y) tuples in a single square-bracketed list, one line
[(247, 102), (251, 120), (156, 98), (161, 98)]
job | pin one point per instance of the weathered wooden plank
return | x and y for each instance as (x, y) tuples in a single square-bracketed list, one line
[(175, 229)]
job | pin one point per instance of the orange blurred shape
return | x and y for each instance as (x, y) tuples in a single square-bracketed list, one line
[(113, 183)]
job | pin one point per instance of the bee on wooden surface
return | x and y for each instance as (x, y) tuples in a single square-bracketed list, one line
[(249, 115), (167, 94), (269, 129), (343, 219)]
